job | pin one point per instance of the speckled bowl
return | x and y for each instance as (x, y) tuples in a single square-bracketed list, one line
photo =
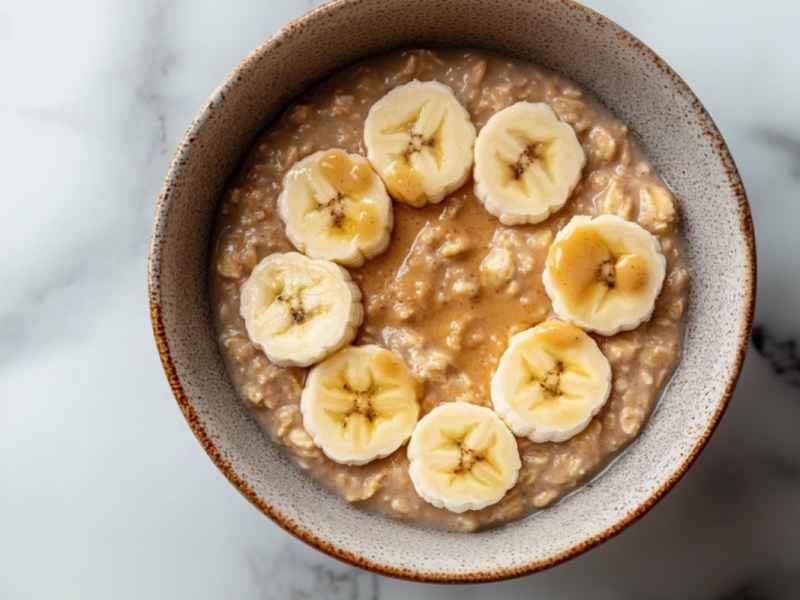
[(673, 129)]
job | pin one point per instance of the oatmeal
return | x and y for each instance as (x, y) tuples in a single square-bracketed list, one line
[(454, 284)]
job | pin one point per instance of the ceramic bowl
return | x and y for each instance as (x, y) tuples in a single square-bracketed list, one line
[(672, 128)]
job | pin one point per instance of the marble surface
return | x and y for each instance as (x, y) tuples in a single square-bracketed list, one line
[(104, 492)]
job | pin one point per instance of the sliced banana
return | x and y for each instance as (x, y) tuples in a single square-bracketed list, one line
[(419, 139), (462, 457), (604, 274), (551, 380), (335, 207), (299, 310), (527, 163), (360, 404)]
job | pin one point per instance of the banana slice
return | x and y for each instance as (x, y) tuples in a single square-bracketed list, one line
[(604, 274), (360, 404), (551, 380), (419, 139), (527, 163), (299, 310), (335, 207), (462, 457)]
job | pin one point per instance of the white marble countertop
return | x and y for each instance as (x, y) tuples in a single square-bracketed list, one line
[(104, 492)]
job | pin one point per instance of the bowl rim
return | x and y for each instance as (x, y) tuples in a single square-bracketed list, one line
[(296, 529)]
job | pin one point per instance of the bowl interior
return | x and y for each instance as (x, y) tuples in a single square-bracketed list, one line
[(672, 129)]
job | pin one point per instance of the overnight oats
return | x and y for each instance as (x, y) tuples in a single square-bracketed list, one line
[(449, 285)]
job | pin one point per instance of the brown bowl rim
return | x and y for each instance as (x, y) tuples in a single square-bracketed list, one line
[(710, 130)]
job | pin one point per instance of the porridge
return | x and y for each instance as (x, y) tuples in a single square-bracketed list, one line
[(450, 288)]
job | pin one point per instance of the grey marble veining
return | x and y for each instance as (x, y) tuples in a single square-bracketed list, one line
[(782, 355), (785, 142), (106, 493), (277, 577), (157, 59)]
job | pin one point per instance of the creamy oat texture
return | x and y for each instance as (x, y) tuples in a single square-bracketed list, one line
[(454, 284)]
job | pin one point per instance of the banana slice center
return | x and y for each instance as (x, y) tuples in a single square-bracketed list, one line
[(534, 152), (362, 404), (422, 148), (550, 384), (627, 273), (335, 209), (358, 402), (583, 261), (467, 457), (339, 202), (355, 409), (295, 307), (422, 132), (416, 143), (544, 388), (299, 305)]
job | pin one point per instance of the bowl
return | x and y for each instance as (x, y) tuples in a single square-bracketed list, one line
[(672, 128)]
